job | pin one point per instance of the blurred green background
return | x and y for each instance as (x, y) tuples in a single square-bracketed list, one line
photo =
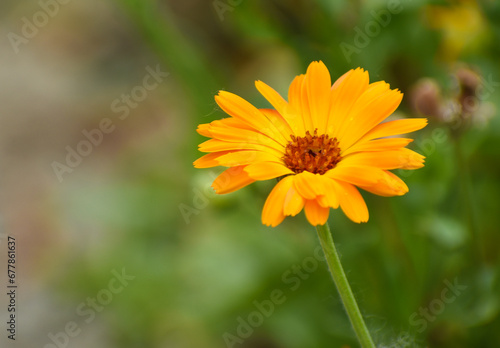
[(201, 269)]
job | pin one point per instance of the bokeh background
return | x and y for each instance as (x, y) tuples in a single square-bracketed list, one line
[(425, 267)]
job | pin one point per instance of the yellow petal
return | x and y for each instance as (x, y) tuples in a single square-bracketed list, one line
[(309, 185), (203, 129), (390, 185), (341, 79), (330, 197), (243, 136), (369, 95), (291, 110), (393, 159), (266, 170), (367, 115), (238, 158), (296, 102), (356, 174), (315, 213), (272, 213), (372, 92), (305, 109), (209, 160), (396, 127), (231, 179), (244, 111), (413, 160), (295, 120), (318, 85), (294, 202), (351, 202), (378, 145), (279, 122), (343, 97), (215, 145), (232, 123), (282, 122), (272, 96)]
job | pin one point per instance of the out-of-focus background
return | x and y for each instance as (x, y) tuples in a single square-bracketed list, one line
[(120, 242)]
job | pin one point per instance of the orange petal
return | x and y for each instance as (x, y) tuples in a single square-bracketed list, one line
[(245, 157), (294, 202), (292, 112), (367, 113), (356, 174), (305, 109), (392, 159), (390, 185), (272, 96), (215, 145), (266, 170), (209, 160), (396, 127), (343, 97), (244, 111), (315, 213), (238, 135), (340, 79), (279, 122), (231, 179), (284, 121), (351, 202), (299, 104), (203, 129), (318, 85), (378, 145), (233, 123), (272, 213), (372, 92), (330, 198), (413, 160), (309, 185)]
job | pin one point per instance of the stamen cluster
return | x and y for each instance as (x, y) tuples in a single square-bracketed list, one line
[(312, 153)]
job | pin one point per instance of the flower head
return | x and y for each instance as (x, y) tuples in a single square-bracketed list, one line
[(321, 144)]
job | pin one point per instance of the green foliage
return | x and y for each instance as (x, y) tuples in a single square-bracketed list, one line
[(194, 280)]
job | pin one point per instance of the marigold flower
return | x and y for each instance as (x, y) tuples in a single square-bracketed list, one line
[(321, 144)]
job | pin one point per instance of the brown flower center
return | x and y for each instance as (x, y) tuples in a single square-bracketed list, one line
[(313, 153)]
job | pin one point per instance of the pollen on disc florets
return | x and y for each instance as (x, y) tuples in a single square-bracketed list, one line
[(312, 153)]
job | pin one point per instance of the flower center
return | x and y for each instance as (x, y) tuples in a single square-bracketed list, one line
[(313, 153)]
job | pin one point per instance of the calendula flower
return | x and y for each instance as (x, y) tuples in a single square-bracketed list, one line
[(320, 145), (462, 24)]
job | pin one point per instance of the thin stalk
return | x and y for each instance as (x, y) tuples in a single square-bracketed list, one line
[(468, 199), (343, 287)]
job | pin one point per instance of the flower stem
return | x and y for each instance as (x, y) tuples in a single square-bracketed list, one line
[(467, 200), (340, 279)]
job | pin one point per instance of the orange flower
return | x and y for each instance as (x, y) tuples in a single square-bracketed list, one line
[(321, 144)]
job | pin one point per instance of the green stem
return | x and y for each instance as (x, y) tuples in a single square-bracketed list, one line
[(468, 199), (340, 279)]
